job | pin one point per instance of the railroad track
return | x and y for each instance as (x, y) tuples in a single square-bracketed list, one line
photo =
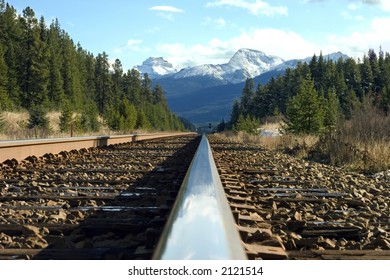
[(114, 202), (288, 208), (96, 203)]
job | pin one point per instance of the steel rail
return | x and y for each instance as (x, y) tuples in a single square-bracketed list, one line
[(20, 149), (201, 225)]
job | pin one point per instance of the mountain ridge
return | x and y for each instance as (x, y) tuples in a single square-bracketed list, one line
[(245, 63), (205, 93)]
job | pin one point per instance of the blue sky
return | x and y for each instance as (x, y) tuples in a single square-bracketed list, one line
[(191, 32)]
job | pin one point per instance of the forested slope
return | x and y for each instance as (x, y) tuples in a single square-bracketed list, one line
[(313, 96), (42, 69)]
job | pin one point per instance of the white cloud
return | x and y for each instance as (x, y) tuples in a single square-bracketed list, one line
[(386, 5), (359, 42), (357, 4), (349, 16), (217, 51), (166, 9), (353, 6), (217, 23), (258, 7), (166, 12), (383, 4), (283, 43), (131, 45)]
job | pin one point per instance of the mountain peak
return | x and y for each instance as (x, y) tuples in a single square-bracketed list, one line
[(243, 57), (156, 67), (253, 62)]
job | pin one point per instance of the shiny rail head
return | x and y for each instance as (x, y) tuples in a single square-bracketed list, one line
[(201, 225)]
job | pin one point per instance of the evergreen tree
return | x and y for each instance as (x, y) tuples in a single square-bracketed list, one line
[(303, 110), (34, 74), (246, 124), (102, 82), (66, 117), (366, 75), (70, 71), (142, 120), (117, 80), (331, 107), (5, 102), (89, 118), (41, 67), (38, 121), (129, 115), (236, 112), (264, 103), (221, 126), (132, 87), (10, 36), (247, 96), (146, 88)]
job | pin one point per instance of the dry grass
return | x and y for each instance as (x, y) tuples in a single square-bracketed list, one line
[(54, 121), (240, 137), (297, 145), (14, 126), (361, 144)]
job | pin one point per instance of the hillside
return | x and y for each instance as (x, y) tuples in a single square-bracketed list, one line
[(42, 69)]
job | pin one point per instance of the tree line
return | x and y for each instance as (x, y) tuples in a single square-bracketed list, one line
[(42, 69), (315, 95)]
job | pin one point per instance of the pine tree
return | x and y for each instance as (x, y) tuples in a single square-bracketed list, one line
[(129, 114), (41, 67), (5, 102), (117, 79), (89, 118), (102, 82), (38, 121), (303, 110), (146, 88), (236, 112), (366, 75), (246, 124), (70, 72), (56, 92), (10, 36), (142, 120), (66, 117), (221, 126), (247, 96), (34, 74), (132, 87), (331, 110)]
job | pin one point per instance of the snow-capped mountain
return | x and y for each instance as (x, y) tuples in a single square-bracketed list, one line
[(206, 92), (245, 63), (294, 62), (156, 67), (252, 62)]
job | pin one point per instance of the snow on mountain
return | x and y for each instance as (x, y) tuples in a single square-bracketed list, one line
[(246, 63), (335, 56), (200, 70), (156, 67), (294, 62), (253, 63)]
